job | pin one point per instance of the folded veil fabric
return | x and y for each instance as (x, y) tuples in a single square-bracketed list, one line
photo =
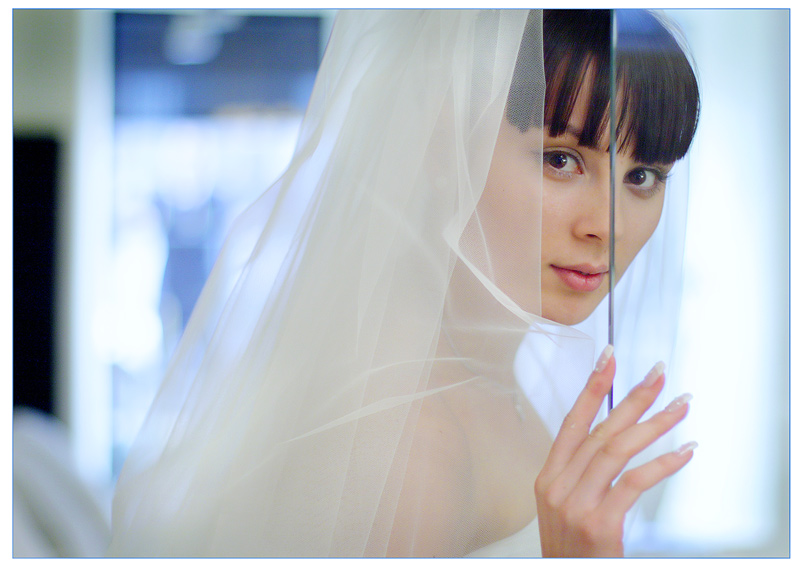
[(353, 340)]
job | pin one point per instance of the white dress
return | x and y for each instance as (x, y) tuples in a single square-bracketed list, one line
[(525, 543)]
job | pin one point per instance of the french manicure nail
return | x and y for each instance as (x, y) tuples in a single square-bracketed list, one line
[(653, 374), (678, 402), (688, 447), (605, 356)]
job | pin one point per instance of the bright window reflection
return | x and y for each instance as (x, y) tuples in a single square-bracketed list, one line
[(208, 108), (180, 183)]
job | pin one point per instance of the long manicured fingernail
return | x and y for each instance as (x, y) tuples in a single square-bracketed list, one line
[(653, 374), (688, 447), (605, 356), (678, 402)]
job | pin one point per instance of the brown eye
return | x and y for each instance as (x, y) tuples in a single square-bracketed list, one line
[(558, 160), (643, 178), (638, 177), (562, 162)]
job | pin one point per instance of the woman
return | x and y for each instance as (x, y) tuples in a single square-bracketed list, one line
[(367, 403)]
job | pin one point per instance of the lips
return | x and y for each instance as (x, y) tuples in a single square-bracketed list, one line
[(583, 278)]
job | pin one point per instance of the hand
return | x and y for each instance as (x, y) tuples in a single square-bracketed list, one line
[(580, 512)]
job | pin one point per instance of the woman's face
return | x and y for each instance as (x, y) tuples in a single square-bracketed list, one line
[(575, 197)]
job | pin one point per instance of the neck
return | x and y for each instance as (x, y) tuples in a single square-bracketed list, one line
[(479, 330)]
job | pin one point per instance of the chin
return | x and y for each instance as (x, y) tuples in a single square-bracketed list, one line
[(568, 319), (569, 314)]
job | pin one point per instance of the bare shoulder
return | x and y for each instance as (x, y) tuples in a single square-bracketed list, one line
[(438, 492)]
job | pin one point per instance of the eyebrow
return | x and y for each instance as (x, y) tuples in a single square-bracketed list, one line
[(574, 131)]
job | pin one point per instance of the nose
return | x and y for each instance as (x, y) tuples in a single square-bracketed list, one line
[(594, 222)]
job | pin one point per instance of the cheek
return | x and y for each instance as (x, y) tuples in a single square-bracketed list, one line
[(641, 219), (509, 209), (558, 216), (509, 214)]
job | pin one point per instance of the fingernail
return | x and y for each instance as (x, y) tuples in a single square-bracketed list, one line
[(605, 356), (688, 447), (653, 374), (678, 403)]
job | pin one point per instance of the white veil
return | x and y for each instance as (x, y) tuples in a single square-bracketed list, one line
[(323, 374)]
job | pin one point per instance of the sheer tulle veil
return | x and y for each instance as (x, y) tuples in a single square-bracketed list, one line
[(372, 290)]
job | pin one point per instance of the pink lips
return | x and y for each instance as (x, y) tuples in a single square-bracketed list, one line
[(584, 278)]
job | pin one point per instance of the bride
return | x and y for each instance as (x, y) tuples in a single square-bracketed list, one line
[(386, 380)]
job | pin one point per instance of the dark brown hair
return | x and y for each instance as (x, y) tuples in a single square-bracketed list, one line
[(657, 87)]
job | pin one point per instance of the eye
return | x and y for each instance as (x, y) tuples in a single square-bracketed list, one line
[(646, 181), (562, 162), (642, 178)]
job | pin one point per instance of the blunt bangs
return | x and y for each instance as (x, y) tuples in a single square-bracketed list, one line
[(656, 84)]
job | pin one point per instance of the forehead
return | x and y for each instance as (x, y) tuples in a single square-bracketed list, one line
[(583, 102), (589, 106)]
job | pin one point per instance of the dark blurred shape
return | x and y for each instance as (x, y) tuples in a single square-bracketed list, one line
[(35, 161)]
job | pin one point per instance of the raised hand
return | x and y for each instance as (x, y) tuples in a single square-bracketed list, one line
[(581, 508)]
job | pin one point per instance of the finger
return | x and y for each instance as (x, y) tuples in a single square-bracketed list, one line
[(634, 405), (577, 422), (612, 458), (634, 482), (622, 417)]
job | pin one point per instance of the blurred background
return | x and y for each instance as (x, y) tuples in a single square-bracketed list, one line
[(140, 135)]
